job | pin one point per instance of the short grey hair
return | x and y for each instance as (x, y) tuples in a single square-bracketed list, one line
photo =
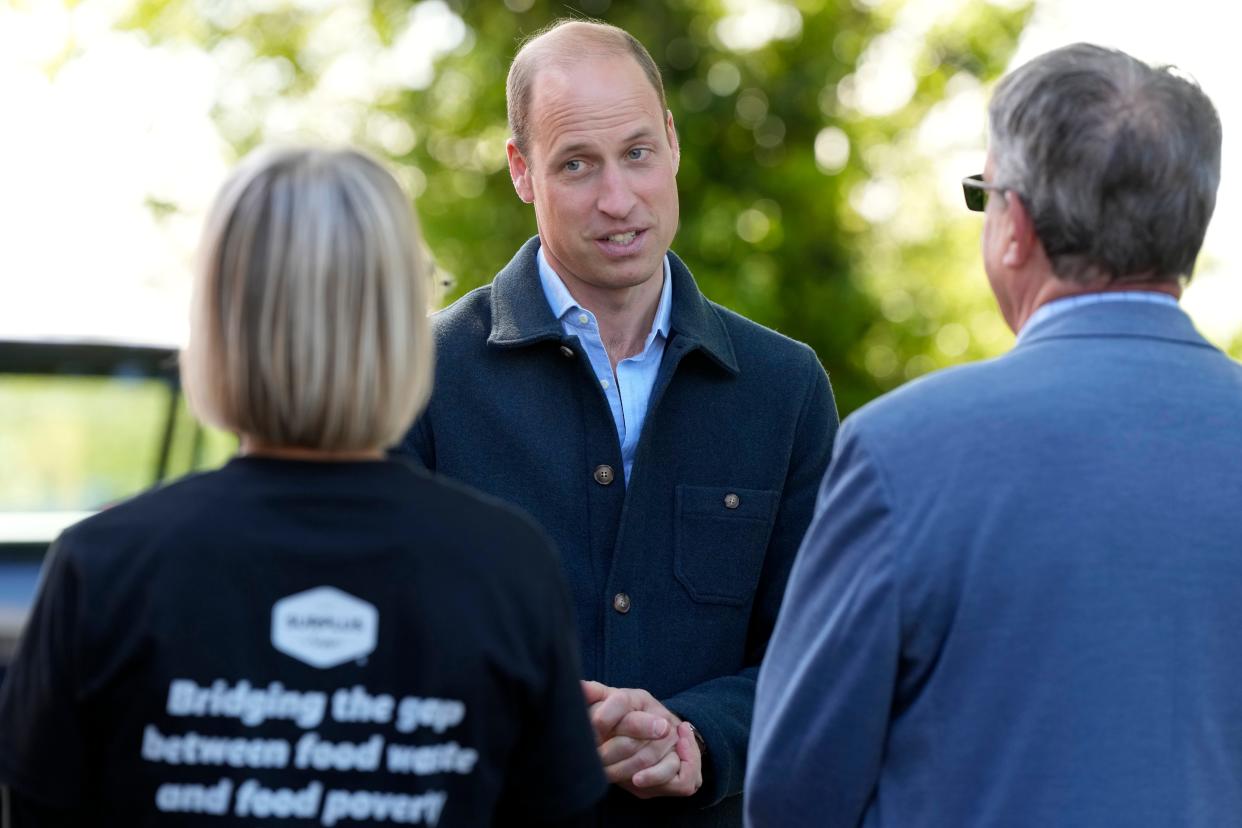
[(309, 321), (1116, 161)]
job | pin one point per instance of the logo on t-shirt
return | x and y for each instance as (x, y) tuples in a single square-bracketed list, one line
[(324, 627)]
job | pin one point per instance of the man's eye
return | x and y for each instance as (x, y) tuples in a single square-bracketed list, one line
[(638, 153), (573, 166)]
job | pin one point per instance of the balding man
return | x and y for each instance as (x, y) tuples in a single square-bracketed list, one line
[(1018, 604), (670, 447)]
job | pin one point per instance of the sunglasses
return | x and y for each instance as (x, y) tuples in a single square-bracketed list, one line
[(976, 191)]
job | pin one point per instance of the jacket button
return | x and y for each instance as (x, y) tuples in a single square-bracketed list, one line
[(732, 501), (621, 603), (567, 352), (604, 475)]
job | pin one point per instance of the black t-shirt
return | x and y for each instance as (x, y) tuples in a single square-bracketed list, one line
[(312, 643)]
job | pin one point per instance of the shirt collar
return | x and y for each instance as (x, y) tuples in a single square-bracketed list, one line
[(562, 302), (521, 316), (1057, 307)]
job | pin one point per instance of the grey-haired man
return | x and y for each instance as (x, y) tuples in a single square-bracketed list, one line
[(1018, 604)]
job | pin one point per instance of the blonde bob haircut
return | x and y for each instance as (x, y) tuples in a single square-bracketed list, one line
[(309, 320)]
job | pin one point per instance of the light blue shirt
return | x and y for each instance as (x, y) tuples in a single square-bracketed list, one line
[(629, 391), (1059, 306)]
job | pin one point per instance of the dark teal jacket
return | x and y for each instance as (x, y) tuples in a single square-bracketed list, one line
[(677, 578)]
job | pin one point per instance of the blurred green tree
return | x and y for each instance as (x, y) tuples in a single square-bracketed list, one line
[(813, 197)]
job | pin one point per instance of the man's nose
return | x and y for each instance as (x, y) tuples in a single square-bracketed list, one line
[(616, 194)]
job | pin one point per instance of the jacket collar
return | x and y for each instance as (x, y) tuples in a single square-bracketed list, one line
[(520, 312), (521, 315), (1142, 320)]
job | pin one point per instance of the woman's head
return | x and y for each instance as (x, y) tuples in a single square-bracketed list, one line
[(309, 326)]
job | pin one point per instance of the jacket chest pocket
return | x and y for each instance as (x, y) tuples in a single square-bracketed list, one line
[(722, 535)]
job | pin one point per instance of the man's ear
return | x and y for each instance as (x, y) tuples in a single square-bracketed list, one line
[(673, 143), (1020, 227), (519, 171)]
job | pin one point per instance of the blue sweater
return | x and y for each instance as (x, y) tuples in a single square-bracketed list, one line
[(677, 577)]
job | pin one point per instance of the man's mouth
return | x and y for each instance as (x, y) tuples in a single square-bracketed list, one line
[(623, 239)]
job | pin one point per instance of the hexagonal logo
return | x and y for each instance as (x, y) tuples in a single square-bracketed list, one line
[(324, 627)]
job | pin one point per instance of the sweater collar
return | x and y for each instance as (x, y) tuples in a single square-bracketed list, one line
[(521, 314)]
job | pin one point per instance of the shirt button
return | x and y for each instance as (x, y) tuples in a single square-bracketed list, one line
[(583, 319), (621, 603), (567, 351), (603, 383), (732, 501), (604, 475)]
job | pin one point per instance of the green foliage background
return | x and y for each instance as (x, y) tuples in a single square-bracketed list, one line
[(765, 230)]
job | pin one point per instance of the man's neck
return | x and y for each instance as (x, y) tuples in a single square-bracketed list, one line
[(625, 315)]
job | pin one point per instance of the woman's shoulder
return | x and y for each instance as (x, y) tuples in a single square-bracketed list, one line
[(160, 504)]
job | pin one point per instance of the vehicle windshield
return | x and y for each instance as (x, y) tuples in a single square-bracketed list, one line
[(83, 426), (75, 444)]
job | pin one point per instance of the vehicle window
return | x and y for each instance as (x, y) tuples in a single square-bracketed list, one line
[(80, 443)]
